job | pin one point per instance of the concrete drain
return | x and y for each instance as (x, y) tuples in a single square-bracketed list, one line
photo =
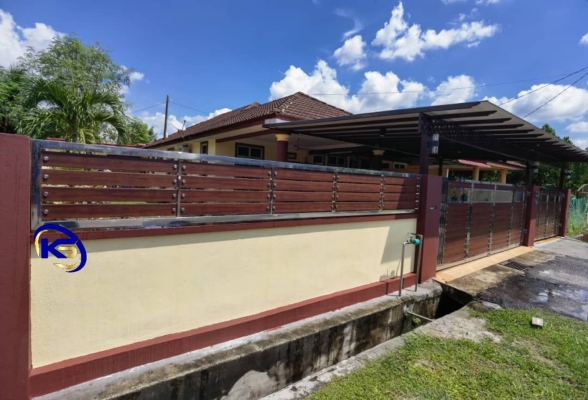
[(515, 265)]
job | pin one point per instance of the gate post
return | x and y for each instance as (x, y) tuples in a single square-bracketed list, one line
[(530, 225), (565, 211), (428, 223), (15, 248)]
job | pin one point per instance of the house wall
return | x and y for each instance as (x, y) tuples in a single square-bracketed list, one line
[(135, 289)]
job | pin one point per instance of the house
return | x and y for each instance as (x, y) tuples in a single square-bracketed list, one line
[(240, 133)]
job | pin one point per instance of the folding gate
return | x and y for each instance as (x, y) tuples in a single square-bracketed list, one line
[(479, 218), (549, 214)]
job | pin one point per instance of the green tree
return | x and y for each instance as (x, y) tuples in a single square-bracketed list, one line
[(140, 133), (13, 83), (77, 67), (77, 117)]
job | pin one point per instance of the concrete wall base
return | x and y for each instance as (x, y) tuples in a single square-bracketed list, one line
[(260, 364)]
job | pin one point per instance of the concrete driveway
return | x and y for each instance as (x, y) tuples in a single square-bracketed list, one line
[(553, 277)]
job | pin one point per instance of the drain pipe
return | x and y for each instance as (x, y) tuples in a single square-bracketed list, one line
[(416, 242), (408, 312)]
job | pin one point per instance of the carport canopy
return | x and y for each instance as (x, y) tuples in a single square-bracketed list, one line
[(477, 130)]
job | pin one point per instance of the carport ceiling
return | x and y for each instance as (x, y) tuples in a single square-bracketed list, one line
[(476, 130)]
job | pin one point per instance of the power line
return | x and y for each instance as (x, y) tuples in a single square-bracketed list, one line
[(544, 86), (557, 95), (453, 89), (191, 108), (147, 108)]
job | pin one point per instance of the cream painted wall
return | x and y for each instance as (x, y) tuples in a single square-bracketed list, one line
[(140, 288)]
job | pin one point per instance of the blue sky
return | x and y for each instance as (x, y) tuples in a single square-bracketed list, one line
[(215, 56)]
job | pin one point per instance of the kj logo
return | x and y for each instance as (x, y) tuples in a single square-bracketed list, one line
[(65, 248)]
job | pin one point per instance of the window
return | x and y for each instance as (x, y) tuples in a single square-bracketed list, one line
[(185, 148), (249, 151), (400, 165), (337, 161), (204, 148), (171, 149), (318, 159)]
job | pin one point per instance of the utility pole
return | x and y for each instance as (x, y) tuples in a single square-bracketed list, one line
[(165, 121)]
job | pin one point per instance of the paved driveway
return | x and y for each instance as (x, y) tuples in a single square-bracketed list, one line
[(555, 279)]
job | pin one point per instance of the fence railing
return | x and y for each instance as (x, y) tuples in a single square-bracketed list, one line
[(92, 186), (478, 218)]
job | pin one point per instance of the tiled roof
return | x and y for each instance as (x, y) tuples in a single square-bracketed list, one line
[(298, 106)]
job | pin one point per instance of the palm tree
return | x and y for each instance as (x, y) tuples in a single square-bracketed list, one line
[(75, 117)]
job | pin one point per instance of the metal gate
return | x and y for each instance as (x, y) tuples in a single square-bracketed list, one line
[(549, 214), (479, 218)]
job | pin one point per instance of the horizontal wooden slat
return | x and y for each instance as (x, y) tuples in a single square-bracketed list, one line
[(303, 186), (401, 196), (72, 211), (224, 196), (281, 197), (193, 168), (358, 187), (350, 196), (113, 163), (295, 207), (400, 189), (357, 206), (213, 182), (391, 181), (224, 209), (297, 175), (105, 194), (399, 205), (83, 178), (351, 178), (460, 234)]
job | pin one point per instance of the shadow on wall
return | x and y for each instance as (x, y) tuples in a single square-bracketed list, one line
[(392, 251)]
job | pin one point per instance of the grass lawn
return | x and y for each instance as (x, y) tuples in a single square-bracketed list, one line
[(548, 363)]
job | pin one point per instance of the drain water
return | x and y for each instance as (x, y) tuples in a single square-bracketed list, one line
[(515, 265)]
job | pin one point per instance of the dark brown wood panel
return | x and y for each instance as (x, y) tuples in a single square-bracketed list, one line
[(371, 179), (205, 182), (224, 209), (403, 189), (349, 196), (55, 193), (303, 186), (113, 163), (225, 196), (193, 168), (399, 205), (401, 181), (83, 178), (296, 207), (297, 175), (72, 211), (358, 206), (280, 197), (401, 197), (358, 187)]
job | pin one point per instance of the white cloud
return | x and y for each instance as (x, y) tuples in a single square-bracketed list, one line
[(570, 105), (136, 76), (487, 2), (584, 39), (15, 39), (378, 91), (401, 40), (581, 143), (578, 127), (357, 24), (174, 123), (453, 1), (455, 89), (352, 53)]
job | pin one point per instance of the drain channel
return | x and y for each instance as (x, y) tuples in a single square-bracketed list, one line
[(515, 265)]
